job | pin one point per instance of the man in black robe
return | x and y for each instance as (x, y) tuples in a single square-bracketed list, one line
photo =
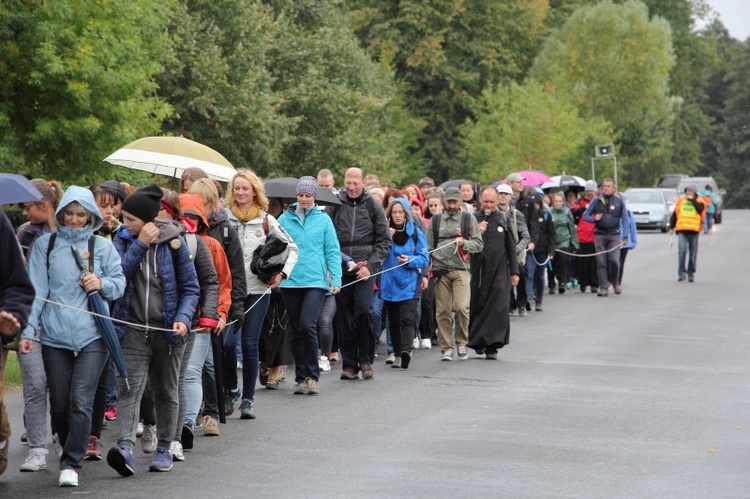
[(493, 273)]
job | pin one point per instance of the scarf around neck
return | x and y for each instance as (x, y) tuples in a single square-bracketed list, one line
[(246, 216)]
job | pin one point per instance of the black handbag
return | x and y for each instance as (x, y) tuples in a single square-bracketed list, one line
[(270, 257)]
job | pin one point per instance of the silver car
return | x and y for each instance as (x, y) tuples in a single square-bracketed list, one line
[(649, 207)]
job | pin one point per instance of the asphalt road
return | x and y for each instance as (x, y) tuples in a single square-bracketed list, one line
[(646, 394)]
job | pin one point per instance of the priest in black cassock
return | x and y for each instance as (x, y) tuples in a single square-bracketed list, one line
[(493, 273)]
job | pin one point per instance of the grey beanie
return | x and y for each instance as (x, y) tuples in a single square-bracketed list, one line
[(591, 185), (307, 185), (692, 187)]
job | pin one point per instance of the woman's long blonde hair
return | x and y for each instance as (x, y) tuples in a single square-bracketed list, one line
[(258, 188)]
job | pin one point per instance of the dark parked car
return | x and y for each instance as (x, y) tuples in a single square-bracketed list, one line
[(670, 180)]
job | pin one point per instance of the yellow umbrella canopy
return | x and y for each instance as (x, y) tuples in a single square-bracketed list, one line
[(171, 156)]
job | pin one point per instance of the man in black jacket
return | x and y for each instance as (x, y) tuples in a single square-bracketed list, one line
[(605, 212), (524, 204), (16, 297), (363, 234)]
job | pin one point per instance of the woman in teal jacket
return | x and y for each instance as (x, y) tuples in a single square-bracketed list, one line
[(74, 353), (401, 283), (318, 271)]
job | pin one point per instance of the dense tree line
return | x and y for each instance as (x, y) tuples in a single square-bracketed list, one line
[(403, 88)]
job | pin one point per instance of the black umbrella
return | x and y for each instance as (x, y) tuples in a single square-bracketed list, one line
[(15, 188), (107, 330), (565, 183), (217, 347), (286, 189)]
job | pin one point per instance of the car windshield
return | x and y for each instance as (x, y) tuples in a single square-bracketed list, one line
[(644, 197), (671, 195)]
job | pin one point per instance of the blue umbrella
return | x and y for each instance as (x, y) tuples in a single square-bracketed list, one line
[(107, 330), (15, 188)]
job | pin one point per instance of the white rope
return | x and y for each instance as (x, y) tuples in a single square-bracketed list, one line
[(591, 254), (397, 266), (119, 321), (268, 290)]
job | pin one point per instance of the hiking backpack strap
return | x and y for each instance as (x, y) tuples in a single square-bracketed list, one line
[(49, 250), (435, 224)]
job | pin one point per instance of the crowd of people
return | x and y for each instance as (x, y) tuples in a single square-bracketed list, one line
[(199, 284)]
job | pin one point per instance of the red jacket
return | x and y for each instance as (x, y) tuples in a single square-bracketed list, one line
[(585, 229)]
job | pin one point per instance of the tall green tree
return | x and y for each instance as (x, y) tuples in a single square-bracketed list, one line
[(219, 82), (444, 53), (529, 127), (614, 62), (734, 133), (341, 101), (78, 82)]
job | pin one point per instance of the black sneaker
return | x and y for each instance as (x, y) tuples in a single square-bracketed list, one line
[(188, 435)]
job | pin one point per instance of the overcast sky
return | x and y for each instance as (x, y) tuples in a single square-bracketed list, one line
[(735, 15)]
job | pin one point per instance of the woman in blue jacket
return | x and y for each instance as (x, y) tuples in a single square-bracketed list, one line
[(401, 282), (73, 351), (318, 271)]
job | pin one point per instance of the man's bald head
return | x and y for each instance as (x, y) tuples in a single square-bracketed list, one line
[(354, 182)]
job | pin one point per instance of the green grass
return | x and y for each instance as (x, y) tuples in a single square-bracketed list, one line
[(12, 370)]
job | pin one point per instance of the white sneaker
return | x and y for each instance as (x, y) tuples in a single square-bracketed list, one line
[(463, 353), (239, 365), (36, 460), (324, 364), (426, 344), (176, 449), (68, 478), (415, 343), (149, 438), (139, 431)]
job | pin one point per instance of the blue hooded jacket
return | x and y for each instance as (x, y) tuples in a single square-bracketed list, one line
[(62, 327), (319, 262), (403, 283), (179, 281)]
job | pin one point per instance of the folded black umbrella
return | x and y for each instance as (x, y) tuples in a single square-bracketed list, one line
[(106, 328), (217, 347), (286, 189)]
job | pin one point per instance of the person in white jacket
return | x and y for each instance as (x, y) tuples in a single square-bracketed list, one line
[(246, 207)]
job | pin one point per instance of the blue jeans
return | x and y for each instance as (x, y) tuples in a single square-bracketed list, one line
[(535, 281), (303, 309), (687, 247), (708, 223), (378, 306), (325, 325), (194, 376), (250, 341), (72, 379)]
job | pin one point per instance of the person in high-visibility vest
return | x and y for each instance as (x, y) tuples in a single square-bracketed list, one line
[(686, 220)]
